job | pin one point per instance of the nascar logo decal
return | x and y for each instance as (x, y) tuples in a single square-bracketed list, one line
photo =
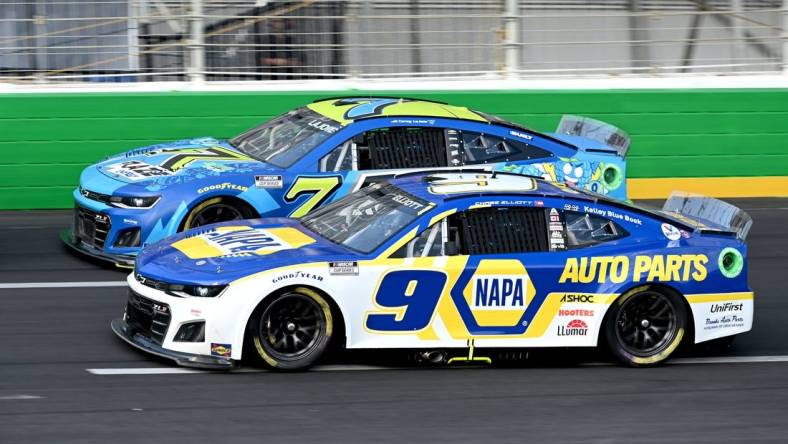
[(241, 240)]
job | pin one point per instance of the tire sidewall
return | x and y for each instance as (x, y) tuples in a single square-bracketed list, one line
[(318, 349), (626, 357)]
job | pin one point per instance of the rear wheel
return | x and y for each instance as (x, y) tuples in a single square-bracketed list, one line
[(216, 210), (645, 326), (292, 331)]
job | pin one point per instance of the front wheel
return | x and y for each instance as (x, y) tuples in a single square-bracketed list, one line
[(293, 330), (213, 211), (645, 326)]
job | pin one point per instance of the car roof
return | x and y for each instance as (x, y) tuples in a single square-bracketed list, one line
[(338, 109), (443, 186), (346, 110)]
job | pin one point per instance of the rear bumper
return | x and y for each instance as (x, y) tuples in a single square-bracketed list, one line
[(121, 328), (120, 260)]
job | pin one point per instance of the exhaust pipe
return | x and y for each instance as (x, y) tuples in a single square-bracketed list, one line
[(433, 357)]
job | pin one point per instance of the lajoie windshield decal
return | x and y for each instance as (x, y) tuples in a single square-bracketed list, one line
[(618, 269)]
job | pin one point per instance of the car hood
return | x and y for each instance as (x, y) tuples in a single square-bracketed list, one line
[(158, 166), (221, 253)]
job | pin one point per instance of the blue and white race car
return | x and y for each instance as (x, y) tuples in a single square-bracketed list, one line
[(443, 264), (317, 154)]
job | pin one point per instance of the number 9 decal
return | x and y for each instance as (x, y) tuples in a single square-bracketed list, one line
[(411, 295)]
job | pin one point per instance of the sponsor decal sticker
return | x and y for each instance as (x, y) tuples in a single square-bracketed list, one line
[(129, 221), (582, 298), (575, 313), (222, 350), (671, 232), (575, 327), (725, 321), (348, 268), (222, 187), (618, 269), (495, 292), (521, 135), (726, 307), (268, 181), (136, 170), (297, 275), (613, 215)]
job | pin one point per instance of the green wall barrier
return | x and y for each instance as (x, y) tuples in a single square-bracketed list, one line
[(47, 139)]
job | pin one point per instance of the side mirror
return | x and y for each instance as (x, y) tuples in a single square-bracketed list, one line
[(450, 249)]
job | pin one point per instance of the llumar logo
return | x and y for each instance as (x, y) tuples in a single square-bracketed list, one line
[(617, 269)]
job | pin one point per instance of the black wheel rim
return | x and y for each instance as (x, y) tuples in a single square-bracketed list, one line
[(646, 323), (292, 326), (215, 213)]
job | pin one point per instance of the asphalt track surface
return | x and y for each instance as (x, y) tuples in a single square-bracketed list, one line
[(50, 337)]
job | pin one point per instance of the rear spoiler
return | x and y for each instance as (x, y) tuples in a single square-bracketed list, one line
[(594, 129), (708, 214)]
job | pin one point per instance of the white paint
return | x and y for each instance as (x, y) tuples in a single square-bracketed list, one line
[(489, 82), (9, 285), (334, 368), (19, 397)]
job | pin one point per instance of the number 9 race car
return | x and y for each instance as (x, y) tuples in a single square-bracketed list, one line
[(315, 155), (443, 262)]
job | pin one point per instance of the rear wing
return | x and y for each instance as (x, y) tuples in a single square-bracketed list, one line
[(594, 129), (708, 214)]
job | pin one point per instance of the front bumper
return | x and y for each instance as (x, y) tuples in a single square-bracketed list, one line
[(119, 260), (121, 328)]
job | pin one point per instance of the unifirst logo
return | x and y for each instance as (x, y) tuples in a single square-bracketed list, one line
[(617, 269), (498, 292)]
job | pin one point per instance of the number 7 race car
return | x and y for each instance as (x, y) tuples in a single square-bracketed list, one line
[(448, 261), (315, 155)]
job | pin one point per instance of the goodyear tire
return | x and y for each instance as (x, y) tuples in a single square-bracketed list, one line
[(292, 331), (645, 326), (216, 209)]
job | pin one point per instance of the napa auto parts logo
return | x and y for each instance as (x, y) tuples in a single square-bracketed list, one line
[(498, 292), (241, 241)]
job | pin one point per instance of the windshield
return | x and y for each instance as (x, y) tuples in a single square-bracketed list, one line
[(366, 219), (287, 138)]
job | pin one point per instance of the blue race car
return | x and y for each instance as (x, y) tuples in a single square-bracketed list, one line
[(317, 154), (443, 264)]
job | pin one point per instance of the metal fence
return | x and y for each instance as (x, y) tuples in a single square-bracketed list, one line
[(215, 40)]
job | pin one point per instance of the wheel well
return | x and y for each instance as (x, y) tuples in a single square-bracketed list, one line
[(690, 334), (338, 339), (245, 207)]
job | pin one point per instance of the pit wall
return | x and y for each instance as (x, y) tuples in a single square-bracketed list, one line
[(720, 142)]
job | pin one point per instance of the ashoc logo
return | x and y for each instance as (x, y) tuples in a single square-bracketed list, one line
[(575, 327)]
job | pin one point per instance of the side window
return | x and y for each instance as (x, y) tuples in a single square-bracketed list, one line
[(390, 148), (427, 244), (583, 230), (486, 148), (497, 230)]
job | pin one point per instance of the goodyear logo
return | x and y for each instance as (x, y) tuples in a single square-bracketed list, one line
[(494, 292), (618, 269), (241, 240)]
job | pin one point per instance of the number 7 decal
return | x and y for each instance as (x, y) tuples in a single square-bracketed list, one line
[(321, 188)]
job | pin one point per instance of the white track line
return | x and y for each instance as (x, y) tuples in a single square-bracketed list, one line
[(333, 368), (9, 285), (19, 397), (729, 359), (180, 371)]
